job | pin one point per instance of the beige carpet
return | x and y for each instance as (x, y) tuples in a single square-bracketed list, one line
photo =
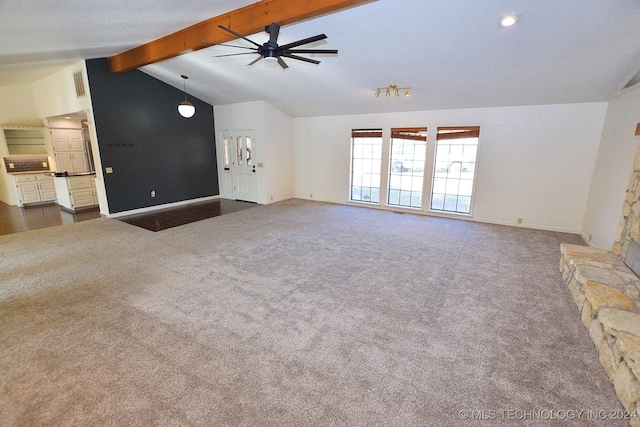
[(296, 313)]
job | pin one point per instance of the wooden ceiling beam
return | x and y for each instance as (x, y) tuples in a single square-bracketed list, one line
[(247, 20)]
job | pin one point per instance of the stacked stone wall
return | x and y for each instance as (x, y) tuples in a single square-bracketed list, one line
[(629, 226), (607, 294)]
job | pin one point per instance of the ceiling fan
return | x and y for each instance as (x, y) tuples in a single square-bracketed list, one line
[(270, 51)]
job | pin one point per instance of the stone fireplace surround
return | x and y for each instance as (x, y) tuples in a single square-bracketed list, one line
[(607, 294)]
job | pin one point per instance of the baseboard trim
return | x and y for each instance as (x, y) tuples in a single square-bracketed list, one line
[(159, 207), (586, 239), (461, 217)]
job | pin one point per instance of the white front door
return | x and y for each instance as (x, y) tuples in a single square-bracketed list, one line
[(243, 166)]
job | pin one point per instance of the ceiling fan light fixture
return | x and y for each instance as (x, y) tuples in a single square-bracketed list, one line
[(406, 93), (185, 108), (272, 53), (388, 92), (377, 93)]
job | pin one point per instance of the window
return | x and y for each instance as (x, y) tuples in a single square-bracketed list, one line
[(366, 159), (454, 171), (406, 170)]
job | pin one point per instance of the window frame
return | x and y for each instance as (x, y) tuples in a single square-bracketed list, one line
[(366, 133), (463, 131), (406, 134)]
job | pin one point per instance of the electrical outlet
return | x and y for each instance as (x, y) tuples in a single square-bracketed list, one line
[(153, 193), (11, 166), (44, 164), (519, 220), (108, 170)]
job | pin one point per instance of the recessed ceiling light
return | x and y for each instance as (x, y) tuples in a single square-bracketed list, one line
[(508, 21)]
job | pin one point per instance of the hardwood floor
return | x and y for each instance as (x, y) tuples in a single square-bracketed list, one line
[(15, 220), (173, 217)]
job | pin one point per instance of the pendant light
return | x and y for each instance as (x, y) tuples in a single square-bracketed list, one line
[(185, 108)]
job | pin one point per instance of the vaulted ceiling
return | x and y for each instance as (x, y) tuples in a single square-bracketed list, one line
[(452, 53)]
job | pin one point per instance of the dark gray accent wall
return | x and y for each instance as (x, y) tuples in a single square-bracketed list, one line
[(149, 146)]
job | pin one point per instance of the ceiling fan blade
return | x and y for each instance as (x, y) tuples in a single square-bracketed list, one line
[(282, 63), (300, 58), (273, 30), (254, 61), (303, 41), (240, 36), (228, 45), (323, 51), (233, 54)]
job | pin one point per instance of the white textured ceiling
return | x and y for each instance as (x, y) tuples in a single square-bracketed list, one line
[(452, 53)]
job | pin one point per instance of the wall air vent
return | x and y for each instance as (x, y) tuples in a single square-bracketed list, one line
[(79, 82)]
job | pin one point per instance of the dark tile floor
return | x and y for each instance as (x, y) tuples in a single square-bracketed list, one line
[(173, 217), (15, 220)]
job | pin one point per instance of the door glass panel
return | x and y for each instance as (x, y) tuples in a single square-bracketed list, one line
[(239, 150), (226, 152), (249, 154), (406, 172)]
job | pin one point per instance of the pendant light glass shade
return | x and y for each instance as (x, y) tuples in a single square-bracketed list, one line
[(185, 108)]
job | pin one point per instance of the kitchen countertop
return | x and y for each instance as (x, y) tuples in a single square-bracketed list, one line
[(50, 172), (74, 174), (29, 172)]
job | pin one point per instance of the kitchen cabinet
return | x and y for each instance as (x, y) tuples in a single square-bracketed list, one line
[(25, 140), (34, 188), (76, 192), (72, 161), (67, 139), (68, 147)]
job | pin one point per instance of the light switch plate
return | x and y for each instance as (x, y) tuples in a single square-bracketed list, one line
[(44, 164), (11, 166), (108, 170)]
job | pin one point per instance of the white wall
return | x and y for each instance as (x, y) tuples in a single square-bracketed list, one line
[(55, 95), (279, 155), (535, 162), (274, 146), (613, 169), (17, 108)]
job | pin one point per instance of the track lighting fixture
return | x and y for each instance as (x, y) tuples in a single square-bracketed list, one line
[(185, 108), (396, 91)]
